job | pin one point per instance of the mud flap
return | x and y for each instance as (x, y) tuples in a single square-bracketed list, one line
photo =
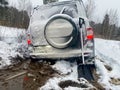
[(86, 71)]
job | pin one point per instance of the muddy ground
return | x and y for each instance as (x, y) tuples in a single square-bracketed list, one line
[(29, 75)]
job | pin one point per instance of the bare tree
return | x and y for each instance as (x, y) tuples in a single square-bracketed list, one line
[(90, 8), (113, 15), (110, 24)]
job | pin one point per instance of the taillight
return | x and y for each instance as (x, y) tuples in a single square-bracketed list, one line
[(28, 40), (90, 34)]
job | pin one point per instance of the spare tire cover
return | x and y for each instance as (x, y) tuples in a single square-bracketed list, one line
[(60, 31)]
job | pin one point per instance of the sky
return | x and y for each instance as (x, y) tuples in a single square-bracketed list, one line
[(102, 6)]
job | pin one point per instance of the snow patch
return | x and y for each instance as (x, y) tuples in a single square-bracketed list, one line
[(108, 53), (12, 43), (6, 52)]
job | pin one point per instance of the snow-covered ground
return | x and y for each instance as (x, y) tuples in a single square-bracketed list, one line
[(108, 54), (12, 44)]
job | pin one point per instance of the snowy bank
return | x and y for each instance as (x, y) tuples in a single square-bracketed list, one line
[(12, 44), (108, 63)]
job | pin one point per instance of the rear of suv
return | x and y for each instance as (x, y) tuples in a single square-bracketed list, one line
[(60, 30)]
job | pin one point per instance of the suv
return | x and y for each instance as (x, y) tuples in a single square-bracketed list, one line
[(60, 30)]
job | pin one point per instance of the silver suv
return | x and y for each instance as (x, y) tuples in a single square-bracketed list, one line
[(60, 30)]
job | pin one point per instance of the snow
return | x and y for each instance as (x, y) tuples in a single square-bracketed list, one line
[(108, 53), (11, 43), (6, 52), (11, 35)]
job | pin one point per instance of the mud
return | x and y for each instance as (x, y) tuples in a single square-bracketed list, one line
[(29, 75), (109, 68), (95, 82), (25, 76), (68, 83), (38, 74), (115, 81), (11, 78)]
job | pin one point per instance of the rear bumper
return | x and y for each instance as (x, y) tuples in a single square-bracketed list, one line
[(63, 55)]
